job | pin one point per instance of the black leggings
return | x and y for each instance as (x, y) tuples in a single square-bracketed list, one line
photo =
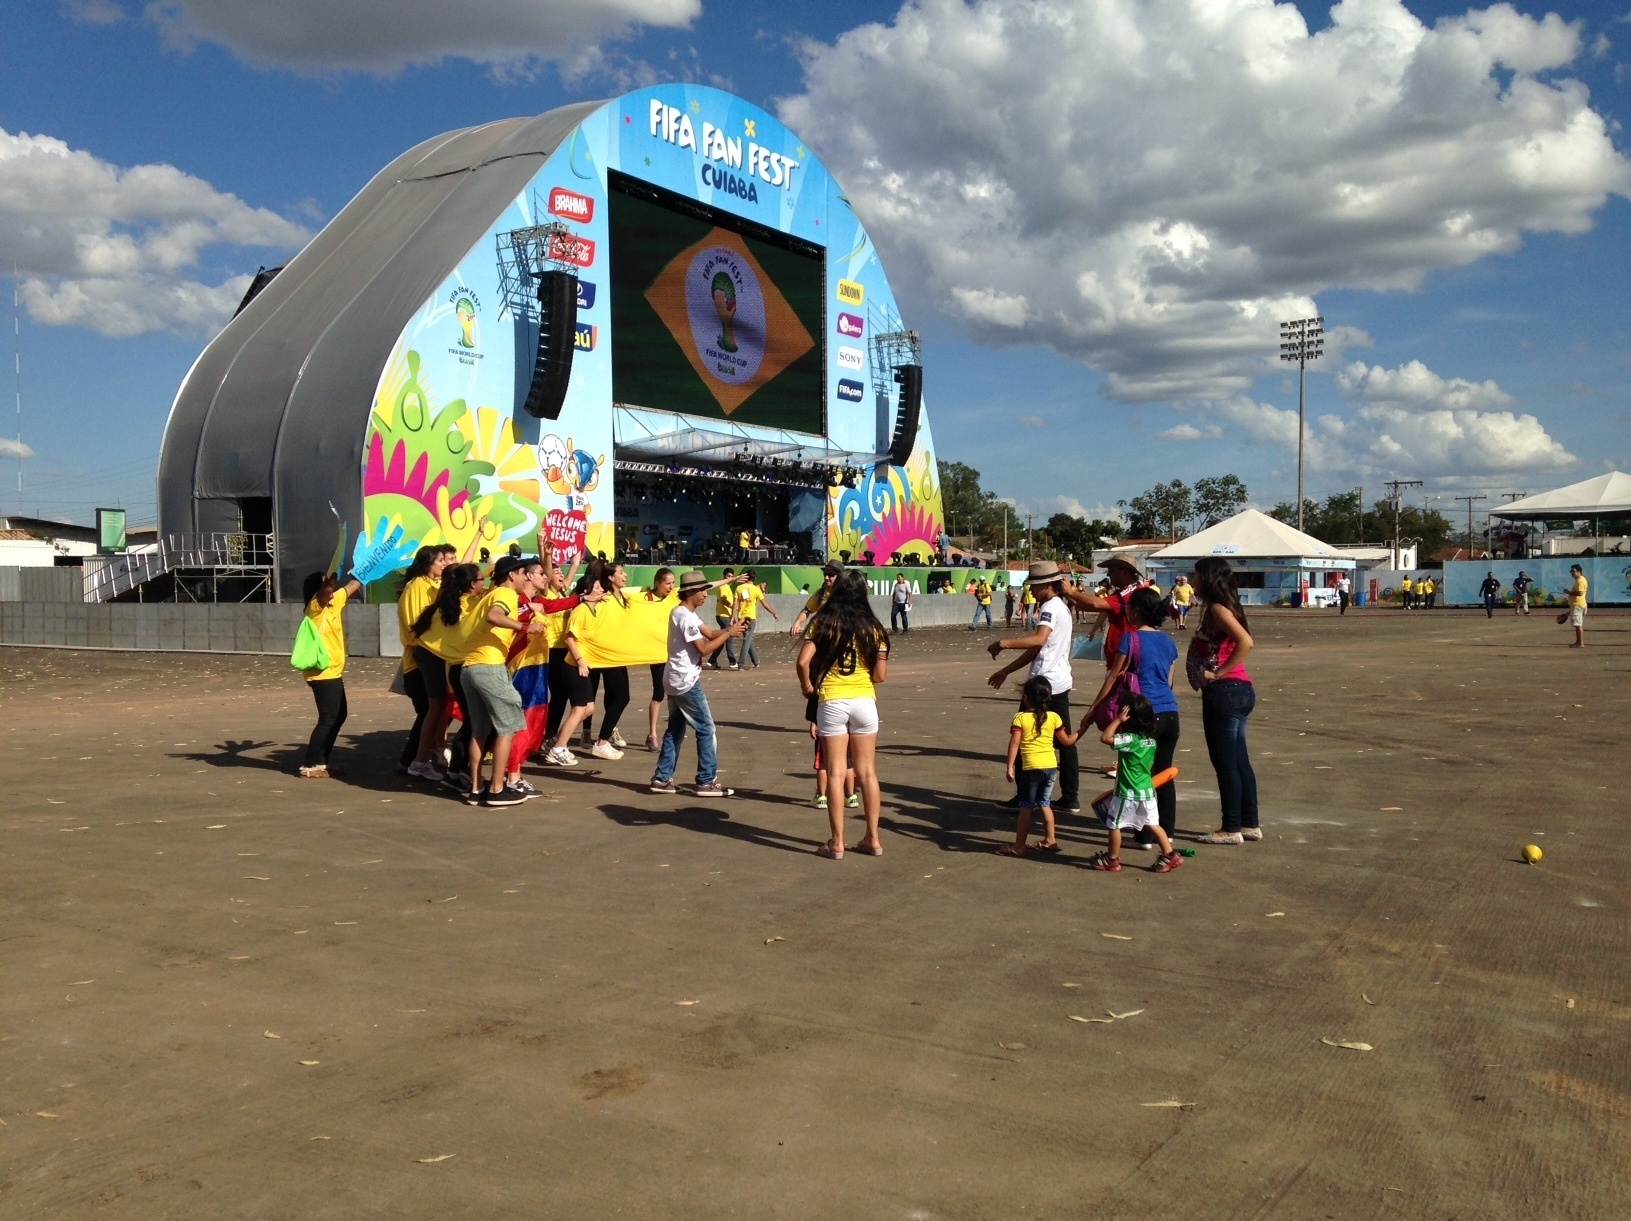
[(616, 683), (559, 692), (330, 696), (461, 743), (414, 682), (1166, 745), (659, 694)]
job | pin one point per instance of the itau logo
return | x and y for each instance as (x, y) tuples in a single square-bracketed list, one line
[(729, 318)]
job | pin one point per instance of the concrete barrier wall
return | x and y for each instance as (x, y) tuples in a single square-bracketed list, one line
[(261, 627), (248, 627), (55, 585)]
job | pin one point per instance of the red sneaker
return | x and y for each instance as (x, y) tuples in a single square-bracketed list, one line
[(1166, 862), (1105, 863)]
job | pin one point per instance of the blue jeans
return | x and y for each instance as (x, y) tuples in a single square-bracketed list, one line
[(978, 611), (898, 616), (1224, 708), (748, 652), (688, 709), (730, 645)]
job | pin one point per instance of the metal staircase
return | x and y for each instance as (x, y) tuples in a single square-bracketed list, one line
[(201, 568)]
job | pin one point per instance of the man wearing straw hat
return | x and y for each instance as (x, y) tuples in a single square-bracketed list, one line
[(1046, 650), (688, 643)]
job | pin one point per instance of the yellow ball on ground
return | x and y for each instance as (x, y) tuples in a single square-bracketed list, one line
[(1532, 853)]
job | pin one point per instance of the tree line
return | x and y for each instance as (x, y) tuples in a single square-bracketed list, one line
[(1337, 519)]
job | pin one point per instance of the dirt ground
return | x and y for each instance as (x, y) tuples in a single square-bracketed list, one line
[(231, 993)]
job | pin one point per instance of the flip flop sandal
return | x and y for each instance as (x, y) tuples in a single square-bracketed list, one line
[(831, 853)]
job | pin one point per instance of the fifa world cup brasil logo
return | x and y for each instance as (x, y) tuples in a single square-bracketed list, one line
[(725, 306), (465, 308)]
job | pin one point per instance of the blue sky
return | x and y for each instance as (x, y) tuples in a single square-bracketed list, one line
[(1096, 223)]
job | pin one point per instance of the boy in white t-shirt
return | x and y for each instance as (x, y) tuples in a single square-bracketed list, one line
[(688, 643)]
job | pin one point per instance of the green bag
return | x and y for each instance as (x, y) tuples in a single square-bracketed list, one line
[(309, 651)]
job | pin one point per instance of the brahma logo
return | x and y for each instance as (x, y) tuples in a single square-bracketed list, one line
[(850, 358), (851, 293), (584, 340), (570, 248), (571, 205), (851, 326), (586, 295), (850, 391)]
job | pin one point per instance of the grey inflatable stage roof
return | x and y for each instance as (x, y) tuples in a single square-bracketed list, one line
[(273, 407)]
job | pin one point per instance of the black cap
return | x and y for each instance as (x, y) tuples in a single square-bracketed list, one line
[(506, 565)]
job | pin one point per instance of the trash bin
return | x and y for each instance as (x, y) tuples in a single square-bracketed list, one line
[(1296, 599), (1359, 597)]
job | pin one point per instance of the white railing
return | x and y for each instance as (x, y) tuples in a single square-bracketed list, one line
[(122, 573)]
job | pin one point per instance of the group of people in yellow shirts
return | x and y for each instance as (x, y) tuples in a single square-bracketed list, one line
[(519, 655), (1417, 593)]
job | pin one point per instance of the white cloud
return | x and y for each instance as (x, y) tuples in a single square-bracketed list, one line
[(1032, 421), (1407, 421), (1190, 432), (1150, 186), (1044, 507), (383, 37), (10, 448), (118, 250), (94, 12)]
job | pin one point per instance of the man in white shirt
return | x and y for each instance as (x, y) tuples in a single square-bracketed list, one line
[(1344, 591), (688, 643), (1046, 650), (900, 604)]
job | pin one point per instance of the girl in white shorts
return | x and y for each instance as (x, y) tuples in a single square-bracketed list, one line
[(844, 656)]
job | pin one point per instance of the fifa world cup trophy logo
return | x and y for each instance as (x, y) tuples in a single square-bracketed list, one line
[(466, 311), (725, 305)]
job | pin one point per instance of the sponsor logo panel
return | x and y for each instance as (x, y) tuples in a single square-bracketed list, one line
[(850, 391), (586, 294), (586, 337), (851, 293), (850, 358), (851, 326), (570, 248), (571, 205)]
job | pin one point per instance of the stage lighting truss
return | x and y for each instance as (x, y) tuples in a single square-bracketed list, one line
[(892, 346), (738, 469), (523, 256)]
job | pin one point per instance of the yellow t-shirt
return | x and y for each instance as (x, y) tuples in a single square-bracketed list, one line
[(1037, 752), (1577, 591), (1028, 598), (1182, 593), (331, 631), (743, 541), (417, 594), (488, 644), (723, 601), (1407, 585), (982, 592), (848, 679), (748, 598), (1427, 586), (446, 640), (629, 633)]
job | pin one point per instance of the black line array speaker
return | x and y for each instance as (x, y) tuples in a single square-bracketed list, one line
[(910, 378), (557, 339)]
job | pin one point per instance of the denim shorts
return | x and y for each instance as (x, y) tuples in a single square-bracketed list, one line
[(1036, 788)]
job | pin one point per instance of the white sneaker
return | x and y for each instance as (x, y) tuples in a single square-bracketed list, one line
[(617, 739), (605, 750), (561, 757)]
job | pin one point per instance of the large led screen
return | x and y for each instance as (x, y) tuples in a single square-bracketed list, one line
[(713, 317)]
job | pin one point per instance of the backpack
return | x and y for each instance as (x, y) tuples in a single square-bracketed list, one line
[(1109, 708), (308, 652)]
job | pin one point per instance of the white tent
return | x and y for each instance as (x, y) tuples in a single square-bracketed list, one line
[(1250, 535), (1604, 496)]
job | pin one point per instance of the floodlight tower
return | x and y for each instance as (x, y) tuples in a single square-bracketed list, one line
[(1301, 340)]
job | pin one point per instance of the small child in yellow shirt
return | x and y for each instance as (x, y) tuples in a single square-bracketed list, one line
[(1034, 738)]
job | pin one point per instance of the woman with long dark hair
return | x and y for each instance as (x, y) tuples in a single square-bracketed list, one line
[(418, 593), (440, 653), (840, 663), (1216, 667), (326, 596)]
